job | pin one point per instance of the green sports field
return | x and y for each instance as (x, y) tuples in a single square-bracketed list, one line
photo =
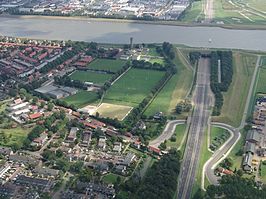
[(82, 98), (88, 76), (133, 87), (112, 65)]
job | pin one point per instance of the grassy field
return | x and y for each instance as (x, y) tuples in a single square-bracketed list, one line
[(218, 137), (153, 52), (180, 131), (261, 84), (112, 65), (157, 60), (235, 97), (12, 136), (133, 87), (82, 98), (111, 178), (263, 173), (88, 76), (236, 12), (194, 13), (174, 91), (113, 111)]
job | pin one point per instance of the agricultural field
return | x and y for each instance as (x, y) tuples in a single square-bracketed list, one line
[(235, 97), (113, 111), (133, 87), (82, 98), (112, 65), (180, 131), (218, 137), (13, 136), (174, 91), (263, 172), (88, 76)]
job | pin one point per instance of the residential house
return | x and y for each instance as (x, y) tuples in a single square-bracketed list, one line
[(86, 138), (130, 157), (39, 141), (250, 147), (247, 163), (253, 136), (72, 136), (102, 142), (117, 147), (46, 172)]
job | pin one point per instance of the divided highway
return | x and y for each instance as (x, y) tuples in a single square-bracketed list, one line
[(202, 102)]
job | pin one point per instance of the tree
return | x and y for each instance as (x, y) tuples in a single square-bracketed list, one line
[(35, 100), (50, 106)]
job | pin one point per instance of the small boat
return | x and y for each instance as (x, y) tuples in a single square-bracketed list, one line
[(210, 40)]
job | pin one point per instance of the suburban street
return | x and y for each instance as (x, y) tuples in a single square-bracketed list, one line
[(167, 133), (202, 102)]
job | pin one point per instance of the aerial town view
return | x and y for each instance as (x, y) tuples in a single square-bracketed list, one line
[(133, 99)]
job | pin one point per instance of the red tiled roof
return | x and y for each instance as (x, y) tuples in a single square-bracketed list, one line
[(154, 149), (35, 116)]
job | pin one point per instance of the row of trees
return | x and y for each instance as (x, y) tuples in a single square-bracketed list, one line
[(147, 65), (226, 77)]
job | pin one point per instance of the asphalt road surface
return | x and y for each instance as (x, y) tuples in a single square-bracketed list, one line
[(202, 102), (167, 133), (220, 154)]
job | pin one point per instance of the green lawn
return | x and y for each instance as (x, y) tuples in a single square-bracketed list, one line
[(112, 65), (218, 137), (111, 178), (12, 136), (88, 76), (174, 91), (263, 173), (82, 98), (157, 60), (133, 87), (180, 131), (235, 97), (261, 84), (153, 52)]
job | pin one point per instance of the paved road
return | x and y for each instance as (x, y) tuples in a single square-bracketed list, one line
[(167, 133), (208, 10), (221, 153), (202, 101)]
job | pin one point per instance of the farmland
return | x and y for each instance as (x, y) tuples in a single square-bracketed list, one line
[(87, 76), (133, 87), (111, 65), (235, 97), (174, 91), (260, 87), (113, 111), (82, 98)]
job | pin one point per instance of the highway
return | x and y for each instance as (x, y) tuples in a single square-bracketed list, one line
[(167, 133), (202, 101)]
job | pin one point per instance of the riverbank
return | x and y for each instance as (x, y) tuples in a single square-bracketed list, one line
[(159, 22)]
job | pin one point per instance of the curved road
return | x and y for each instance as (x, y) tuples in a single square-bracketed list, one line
[(220, 154), (167, 133)]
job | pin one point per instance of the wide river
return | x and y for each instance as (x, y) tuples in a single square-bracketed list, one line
[(116, 32)]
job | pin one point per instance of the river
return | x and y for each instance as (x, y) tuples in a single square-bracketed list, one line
[(116, 32)]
